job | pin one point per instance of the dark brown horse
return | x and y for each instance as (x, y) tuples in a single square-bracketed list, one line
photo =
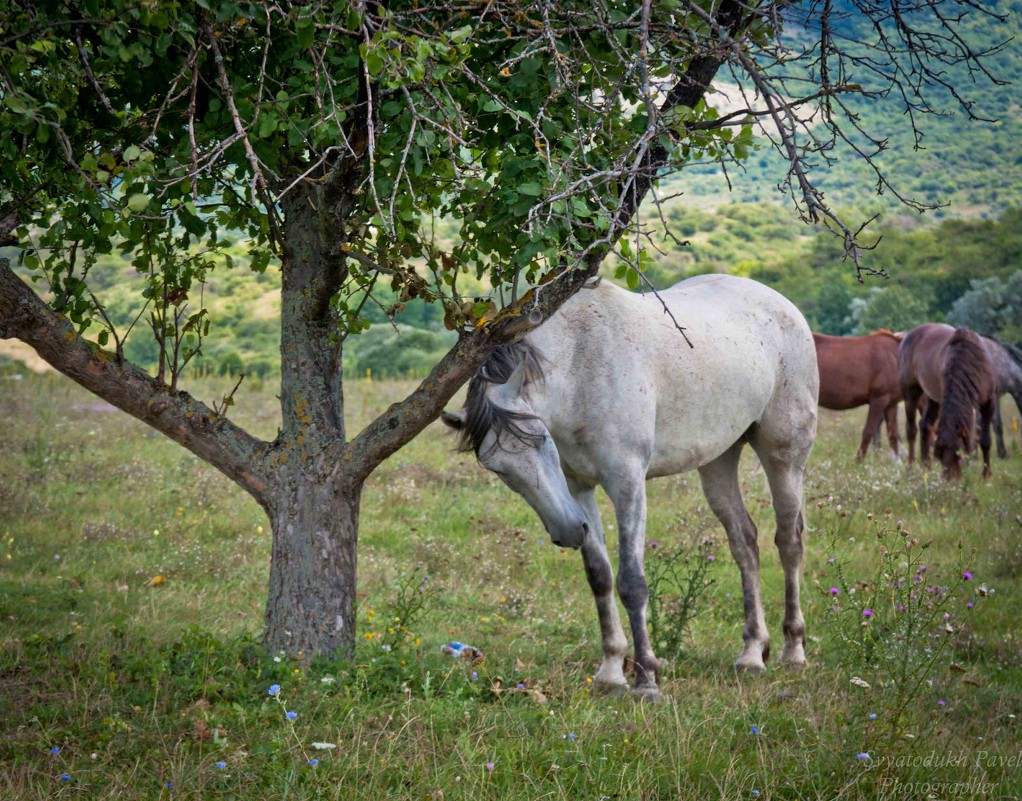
[(951, 368), (855, 371)]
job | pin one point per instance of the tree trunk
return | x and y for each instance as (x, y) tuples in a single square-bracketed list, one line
[(311, 604)]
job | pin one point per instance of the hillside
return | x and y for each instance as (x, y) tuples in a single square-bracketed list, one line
[(971, 168)]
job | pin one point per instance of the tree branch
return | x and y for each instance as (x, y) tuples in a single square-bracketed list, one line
[(179, 416)]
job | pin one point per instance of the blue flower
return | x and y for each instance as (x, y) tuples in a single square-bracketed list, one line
[(65, 778), (863, 756), (313, 762), (872, 715), (292, 715), (274, 689), (754, 730), (474, 675), (55, 750), (571, 736), (221, 765), (755, 793)]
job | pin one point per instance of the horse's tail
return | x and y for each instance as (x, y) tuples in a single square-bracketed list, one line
[(966, 376)]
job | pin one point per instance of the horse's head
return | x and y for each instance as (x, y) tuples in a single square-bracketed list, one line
[(509, 439), (946, 449)]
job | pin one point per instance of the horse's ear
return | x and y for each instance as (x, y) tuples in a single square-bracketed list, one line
[(512, 388), (455, 420)]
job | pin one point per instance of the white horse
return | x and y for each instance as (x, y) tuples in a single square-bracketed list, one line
[(610, 392)]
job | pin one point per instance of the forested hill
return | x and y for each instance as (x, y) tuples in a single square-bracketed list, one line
[(973, 166)]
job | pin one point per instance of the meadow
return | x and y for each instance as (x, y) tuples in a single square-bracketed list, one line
[(132, 581)]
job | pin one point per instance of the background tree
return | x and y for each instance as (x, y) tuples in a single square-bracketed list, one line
[(992, 307), (331, 136)]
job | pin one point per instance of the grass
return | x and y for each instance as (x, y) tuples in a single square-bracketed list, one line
[(132, 582)]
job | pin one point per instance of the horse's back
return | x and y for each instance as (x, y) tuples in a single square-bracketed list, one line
[(628, 380), (853, 370)]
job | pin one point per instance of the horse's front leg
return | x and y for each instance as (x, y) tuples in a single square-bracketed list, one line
[(930, 416), (611, 675), (629, 497), (998, 424), (986, 414)]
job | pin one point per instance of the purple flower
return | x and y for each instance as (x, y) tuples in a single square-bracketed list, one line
[(832, 560), (941, 702), (969, 604), (835, 591), (921, 569), (654, 544), (966, 575), (274, 689), (490, 766), (867, 613), (711, 558)]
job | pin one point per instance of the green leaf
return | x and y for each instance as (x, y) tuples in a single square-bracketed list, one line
[(305, 32), (530, 188), (132, 152)]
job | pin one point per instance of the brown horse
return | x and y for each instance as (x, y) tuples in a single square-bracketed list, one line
[(862, 370), (951, 368)]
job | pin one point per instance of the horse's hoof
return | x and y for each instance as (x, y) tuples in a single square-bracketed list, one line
[(608, 688), (750, 666), (647, 695)]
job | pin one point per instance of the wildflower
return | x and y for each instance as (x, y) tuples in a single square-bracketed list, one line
[(274, 689), (754, 730), (55, 750), (863, 756), (490, 766), (941, 702), (966, 575), (969, 604), (313, 762), (221, 765), (872, 715), (64, 777), (571, 736), (291, 715), (867, 613), (832, 560), (474, 675), (835, 591), (521, 686), (324, 746), (858, 682), (921, 569), (711, 558), (654, 545)]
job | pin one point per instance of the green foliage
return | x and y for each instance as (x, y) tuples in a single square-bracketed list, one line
[(992, 306), (678, 580)]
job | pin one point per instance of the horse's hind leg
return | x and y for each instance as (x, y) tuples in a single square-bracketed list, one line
[(610, 676), (891, 415), (926, 426), (873, 419), (785, 471), (720, 486)]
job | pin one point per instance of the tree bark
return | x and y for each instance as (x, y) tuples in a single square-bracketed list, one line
[(311, 604)]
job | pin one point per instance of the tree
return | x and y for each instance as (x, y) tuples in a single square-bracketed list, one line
[(991, 307), (895, 308), (331, 135)]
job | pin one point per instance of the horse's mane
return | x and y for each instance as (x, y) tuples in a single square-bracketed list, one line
[(481, 414), (898, 335), (967, 374)]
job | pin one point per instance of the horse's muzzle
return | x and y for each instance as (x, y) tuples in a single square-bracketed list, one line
[(572, 538)]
